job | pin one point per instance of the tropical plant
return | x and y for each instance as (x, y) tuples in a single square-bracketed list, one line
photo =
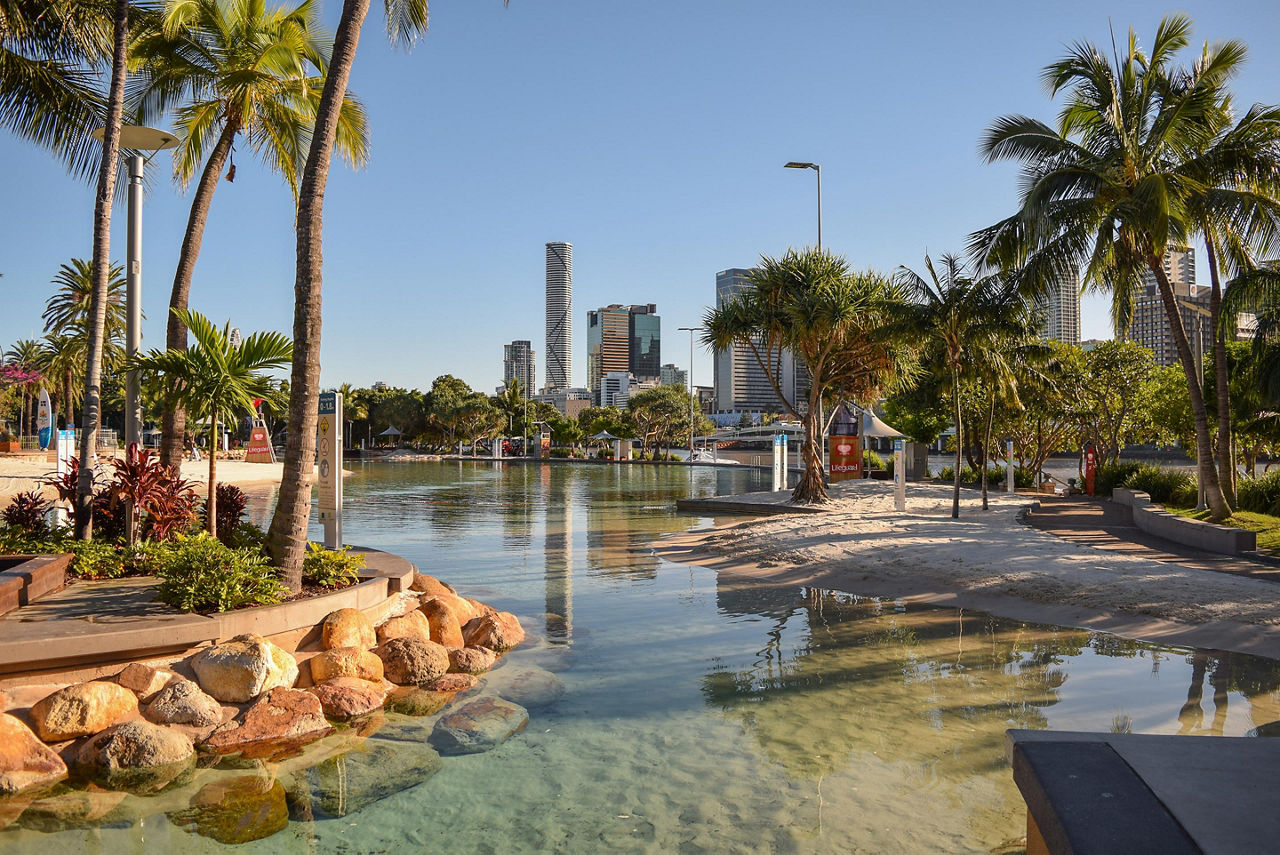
[(230, 509), (28, 354), (331, 568), (661, 416), (233, 70), (217, 381), (1118, 183), (68, 308), (809, 303), (28, 511), (199, 574), (406, 20)]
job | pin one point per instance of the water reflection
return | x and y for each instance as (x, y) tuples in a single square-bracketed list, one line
[(557, 552)]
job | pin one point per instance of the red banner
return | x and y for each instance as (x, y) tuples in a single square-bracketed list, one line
[(846, 458), (259, 450)]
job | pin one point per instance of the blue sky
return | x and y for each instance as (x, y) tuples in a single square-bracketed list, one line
[(650, 135)]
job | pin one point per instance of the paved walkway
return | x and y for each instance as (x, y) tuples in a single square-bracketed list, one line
[(1106, 525)]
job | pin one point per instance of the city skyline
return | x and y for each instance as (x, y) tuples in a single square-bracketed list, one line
[(436, 246)]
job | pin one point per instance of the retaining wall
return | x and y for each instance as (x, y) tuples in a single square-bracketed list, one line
[(1155, 520)]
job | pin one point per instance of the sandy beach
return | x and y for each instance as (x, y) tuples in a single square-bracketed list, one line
[(988, 561), (21, 473)]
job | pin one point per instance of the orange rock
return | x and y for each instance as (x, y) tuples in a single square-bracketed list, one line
[(144, 679), (445, 627), (348, 628), (408, 661), (347, 697), (499, 631), (346, 662), (281, 715), (25, 762), (471, 660), (430, 585), (412, 625), (82, 709)]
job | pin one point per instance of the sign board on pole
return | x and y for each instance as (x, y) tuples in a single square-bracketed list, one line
[(1010, 485), (779, 461), (1090, 468), (846, 458), (44, 420), (329, 461), (899, 475), (64, 449)]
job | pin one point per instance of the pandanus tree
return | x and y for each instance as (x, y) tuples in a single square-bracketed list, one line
[(287, 541), (217, 381), (1116, 184), (808, 303), (233, 70)]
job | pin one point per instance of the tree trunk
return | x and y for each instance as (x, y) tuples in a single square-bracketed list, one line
[(1218, 508), (811, 489), (1226, 459), (986, 444), (955, 487), (92, 410), (211, 503), (173, 425), (287, 538)]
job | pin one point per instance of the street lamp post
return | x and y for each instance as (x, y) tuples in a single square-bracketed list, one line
[(138, 139), (818, 169), (692, 418)]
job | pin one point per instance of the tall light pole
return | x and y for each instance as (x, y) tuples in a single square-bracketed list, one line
[(138, 139), (795, 164), (692, 419)]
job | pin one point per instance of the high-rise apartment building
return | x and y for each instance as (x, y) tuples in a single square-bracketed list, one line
[(1150, 326), (623, 339), (517, 364), (740, 383), (1060, 310), (559, 315), (671, 375)]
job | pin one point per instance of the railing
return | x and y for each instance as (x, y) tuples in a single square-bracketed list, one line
[(108, 442)]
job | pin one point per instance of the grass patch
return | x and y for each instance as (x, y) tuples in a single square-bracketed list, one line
[(1266, 526)]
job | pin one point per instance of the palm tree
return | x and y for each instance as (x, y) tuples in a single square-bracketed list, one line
[(70, 304), (217, 381), (101, 269), (287, 541), (961, 322), (1111, 185), (233, 69), (48, 91), (808, 303)]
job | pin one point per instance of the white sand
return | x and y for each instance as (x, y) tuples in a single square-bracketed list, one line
[(991, 561), (18, 474)]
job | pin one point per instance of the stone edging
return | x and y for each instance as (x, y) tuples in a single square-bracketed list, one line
[(1155, 520)]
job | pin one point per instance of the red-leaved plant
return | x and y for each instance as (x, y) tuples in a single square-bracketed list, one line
[(28, 511), (143, 485)]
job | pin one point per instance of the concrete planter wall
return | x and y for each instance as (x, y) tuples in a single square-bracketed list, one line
[(1210, 537)]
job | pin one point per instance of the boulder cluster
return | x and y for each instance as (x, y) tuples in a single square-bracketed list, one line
[(144, 728)]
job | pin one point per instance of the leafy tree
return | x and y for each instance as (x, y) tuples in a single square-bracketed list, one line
[(921, 410), (233, 70), (1050, 413), (808, 302), (1118, 182), (661, 416), (1115, 397), (474, 419), (217, 381), (27, 354)]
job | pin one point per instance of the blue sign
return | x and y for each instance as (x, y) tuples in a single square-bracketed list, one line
[(328, 403)]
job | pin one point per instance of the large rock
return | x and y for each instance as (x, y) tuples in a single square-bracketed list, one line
[(471, 660), (82, 709), (498, 631), (145, 680), (478, 726), (407, 661), (453, 683), (137, 756), (25, 762), (183, 702), (243, 668), (346, 662), (347, 628), (344, 698), (532, 687), (238, 810), (431, 585), (415, 701), (446, 629), (412, 625), (373, 770), (281, 718)]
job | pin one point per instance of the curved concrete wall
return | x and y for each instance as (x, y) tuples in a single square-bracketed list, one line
[(1155, 520)]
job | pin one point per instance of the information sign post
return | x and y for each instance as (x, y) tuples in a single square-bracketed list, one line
[(779, 461), (899, 475), (329, 460), (1010, 486)]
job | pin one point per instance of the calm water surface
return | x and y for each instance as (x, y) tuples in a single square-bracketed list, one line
[(702, 713)]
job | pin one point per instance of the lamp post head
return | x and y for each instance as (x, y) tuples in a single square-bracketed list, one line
[(139, 138), (795, 164)]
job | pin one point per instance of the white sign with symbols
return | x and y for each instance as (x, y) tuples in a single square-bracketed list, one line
[(329, 464), (899, 475), (779, 461)]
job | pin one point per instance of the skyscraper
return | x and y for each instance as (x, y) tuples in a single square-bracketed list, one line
[(740, 383), (518, 364), (624, 339), (1150, 326), (559, 315), (1061, 310)]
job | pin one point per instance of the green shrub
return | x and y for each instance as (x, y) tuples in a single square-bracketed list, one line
[(872, 459), (331, 568), (1108, 476), (95, 559), (200, 574), (1159, 483), (1260, 495), (1186, 495)]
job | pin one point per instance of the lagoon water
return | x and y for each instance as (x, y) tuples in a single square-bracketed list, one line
[(701, 713)]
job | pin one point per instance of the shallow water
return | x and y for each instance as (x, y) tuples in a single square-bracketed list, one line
[(702, 713)]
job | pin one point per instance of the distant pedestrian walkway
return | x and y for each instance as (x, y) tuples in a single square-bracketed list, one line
[(1106, 525)]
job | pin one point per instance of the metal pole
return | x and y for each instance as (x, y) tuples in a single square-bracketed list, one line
[(133, 302), (818, 168), (690, 391)]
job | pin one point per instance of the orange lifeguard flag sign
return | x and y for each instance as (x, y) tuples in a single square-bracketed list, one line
[(259, 450), (846, 458)]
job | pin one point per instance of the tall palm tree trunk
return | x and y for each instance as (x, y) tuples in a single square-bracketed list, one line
[(211, 503), (69, 418), (955, 486), (92, 411), (287, 539), (1218, 508), (174, 423), (1226, 455), (986, 448)]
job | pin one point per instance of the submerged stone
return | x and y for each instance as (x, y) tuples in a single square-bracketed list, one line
[(376, 769), (415, 701), (478, 726), (137, 756), (530, 687), (238, 810)]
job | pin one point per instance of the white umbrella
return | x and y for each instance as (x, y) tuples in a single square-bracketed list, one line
[(872, 426)]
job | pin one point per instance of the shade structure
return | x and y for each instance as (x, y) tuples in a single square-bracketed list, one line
[(604, 434), (872, 426), (391, 431)]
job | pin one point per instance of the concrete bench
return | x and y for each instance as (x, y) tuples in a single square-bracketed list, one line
[(1199, 534)]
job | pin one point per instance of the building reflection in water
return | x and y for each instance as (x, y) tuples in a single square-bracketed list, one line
[(557, 551)]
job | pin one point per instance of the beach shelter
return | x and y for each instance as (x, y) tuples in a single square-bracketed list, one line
[(604, 436), (872, 426), (392, 431)]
